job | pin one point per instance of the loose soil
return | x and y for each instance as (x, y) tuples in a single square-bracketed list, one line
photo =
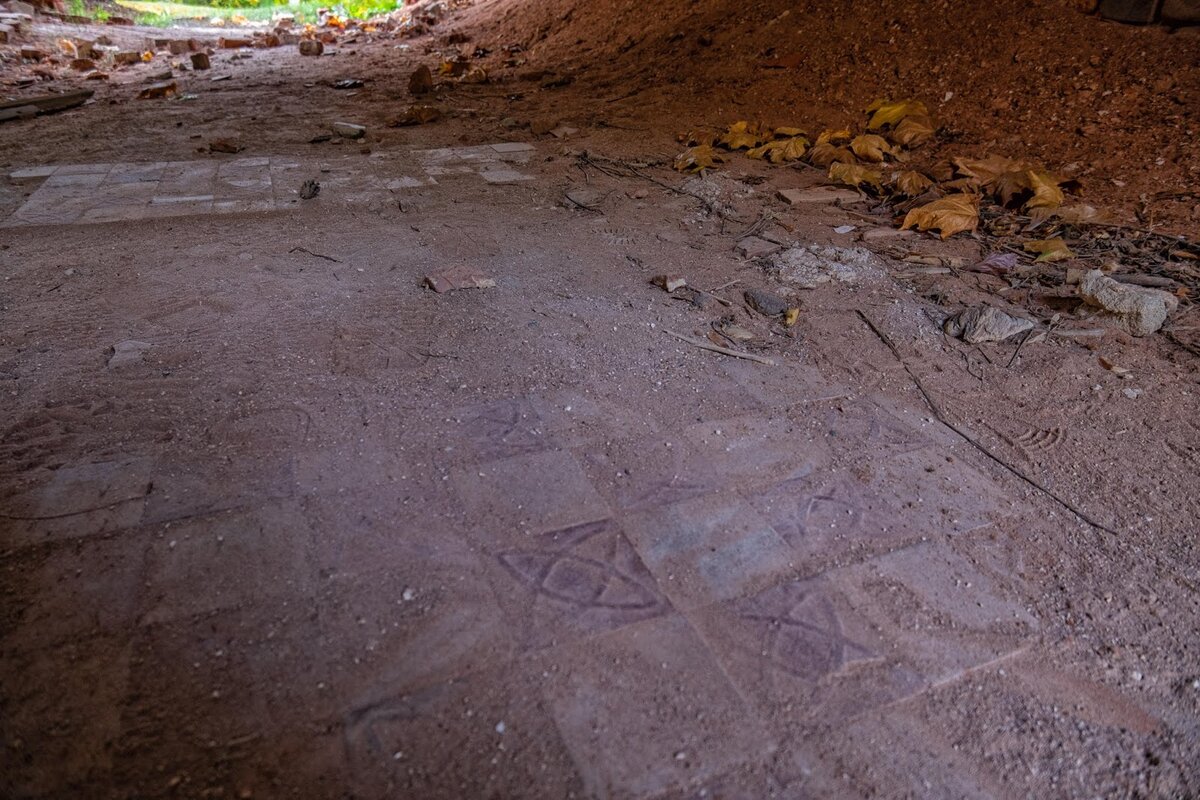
[(335, 535)]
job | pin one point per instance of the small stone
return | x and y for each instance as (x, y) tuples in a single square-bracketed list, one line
[(156, 91), (200, 61), (821, 194), (127, 352), (311, 47), (753, 247), (407, 595), (540, 127), (500, 727), (348, 130), (82, 64), (421, 81), (985, 324), (1132, 394), (1140, 311), (127, 58)]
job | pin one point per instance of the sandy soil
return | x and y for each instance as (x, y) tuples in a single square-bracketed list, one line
[(335, 535)]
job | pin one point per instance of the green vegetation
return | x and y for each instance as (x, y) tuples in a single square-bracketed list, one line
[(163, 14)]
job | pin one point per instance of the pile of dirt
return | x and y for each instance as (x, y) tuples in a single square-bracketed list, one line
[(1115, 106)]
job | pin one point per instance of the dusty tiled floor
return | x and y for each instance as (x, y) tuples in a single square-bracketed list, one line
[(334, 535)]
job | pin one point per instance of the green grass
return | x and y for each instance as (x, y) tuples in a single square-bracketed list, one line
[(163, 14)]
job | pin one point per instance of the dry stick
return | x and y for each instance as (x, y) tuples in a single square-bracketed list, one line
[(942, 418), (725, 351)]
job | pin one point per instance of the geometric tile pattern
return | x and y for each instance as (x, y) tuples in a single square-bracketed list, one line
[(97, 193)]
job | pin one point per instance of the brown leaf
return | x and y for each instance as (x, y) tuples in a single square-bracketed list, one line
[(1049, 250), (1073, 215), (830, 136), (884, 113), (740, 136), (823, 154), (986, 170), (913, 131), (870, 147), (855, 176), (911, 183), (781, 150), (1029, 188), (415, 115), (787, 132), (950, 215), (698, 159)]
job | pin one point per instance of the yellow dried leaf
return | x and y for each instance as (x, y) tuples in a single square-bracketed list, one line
[(987, 169), (884, 113), (1074, 215), (911, 183), (962, 185), (855, 176), (787, 132), (791, 316), (830, 136), (950, 215), (781, 150), (698, 159), (740, 136), (870, 147), (1029, 188), (913, 131), (1049, 250), (823, 154)]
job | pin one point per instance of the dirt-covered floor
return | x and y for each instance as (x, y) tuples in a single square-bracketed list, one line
[(278, 520)]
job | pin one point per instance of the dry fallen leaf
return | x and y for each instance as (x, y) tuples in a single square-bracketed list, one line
[(823, 154), (740, 136), (830, 136), (986, 170), (781, 150), (1049, 250), (870, 147), (911, 183), (787, 132), (1074, 215), (415, 115), (1029, 188), (698, 159), (669, 282), (884, 113), (950, 215), (913, 131), (855, 176)]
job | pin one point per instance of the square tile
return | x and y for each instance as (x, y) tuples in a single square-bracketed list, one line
[(485, 735), (709, 548), (512, 147), (80, 500), (499, 429), (73, 591), (579, 581), (647, 709), (224, 560), (500, 176), (539, 492)]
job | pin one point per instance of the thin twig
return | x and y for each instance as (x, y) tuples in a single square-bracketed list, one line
[(725, 351), (315, 255), (1020, 344), (942, 418)]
